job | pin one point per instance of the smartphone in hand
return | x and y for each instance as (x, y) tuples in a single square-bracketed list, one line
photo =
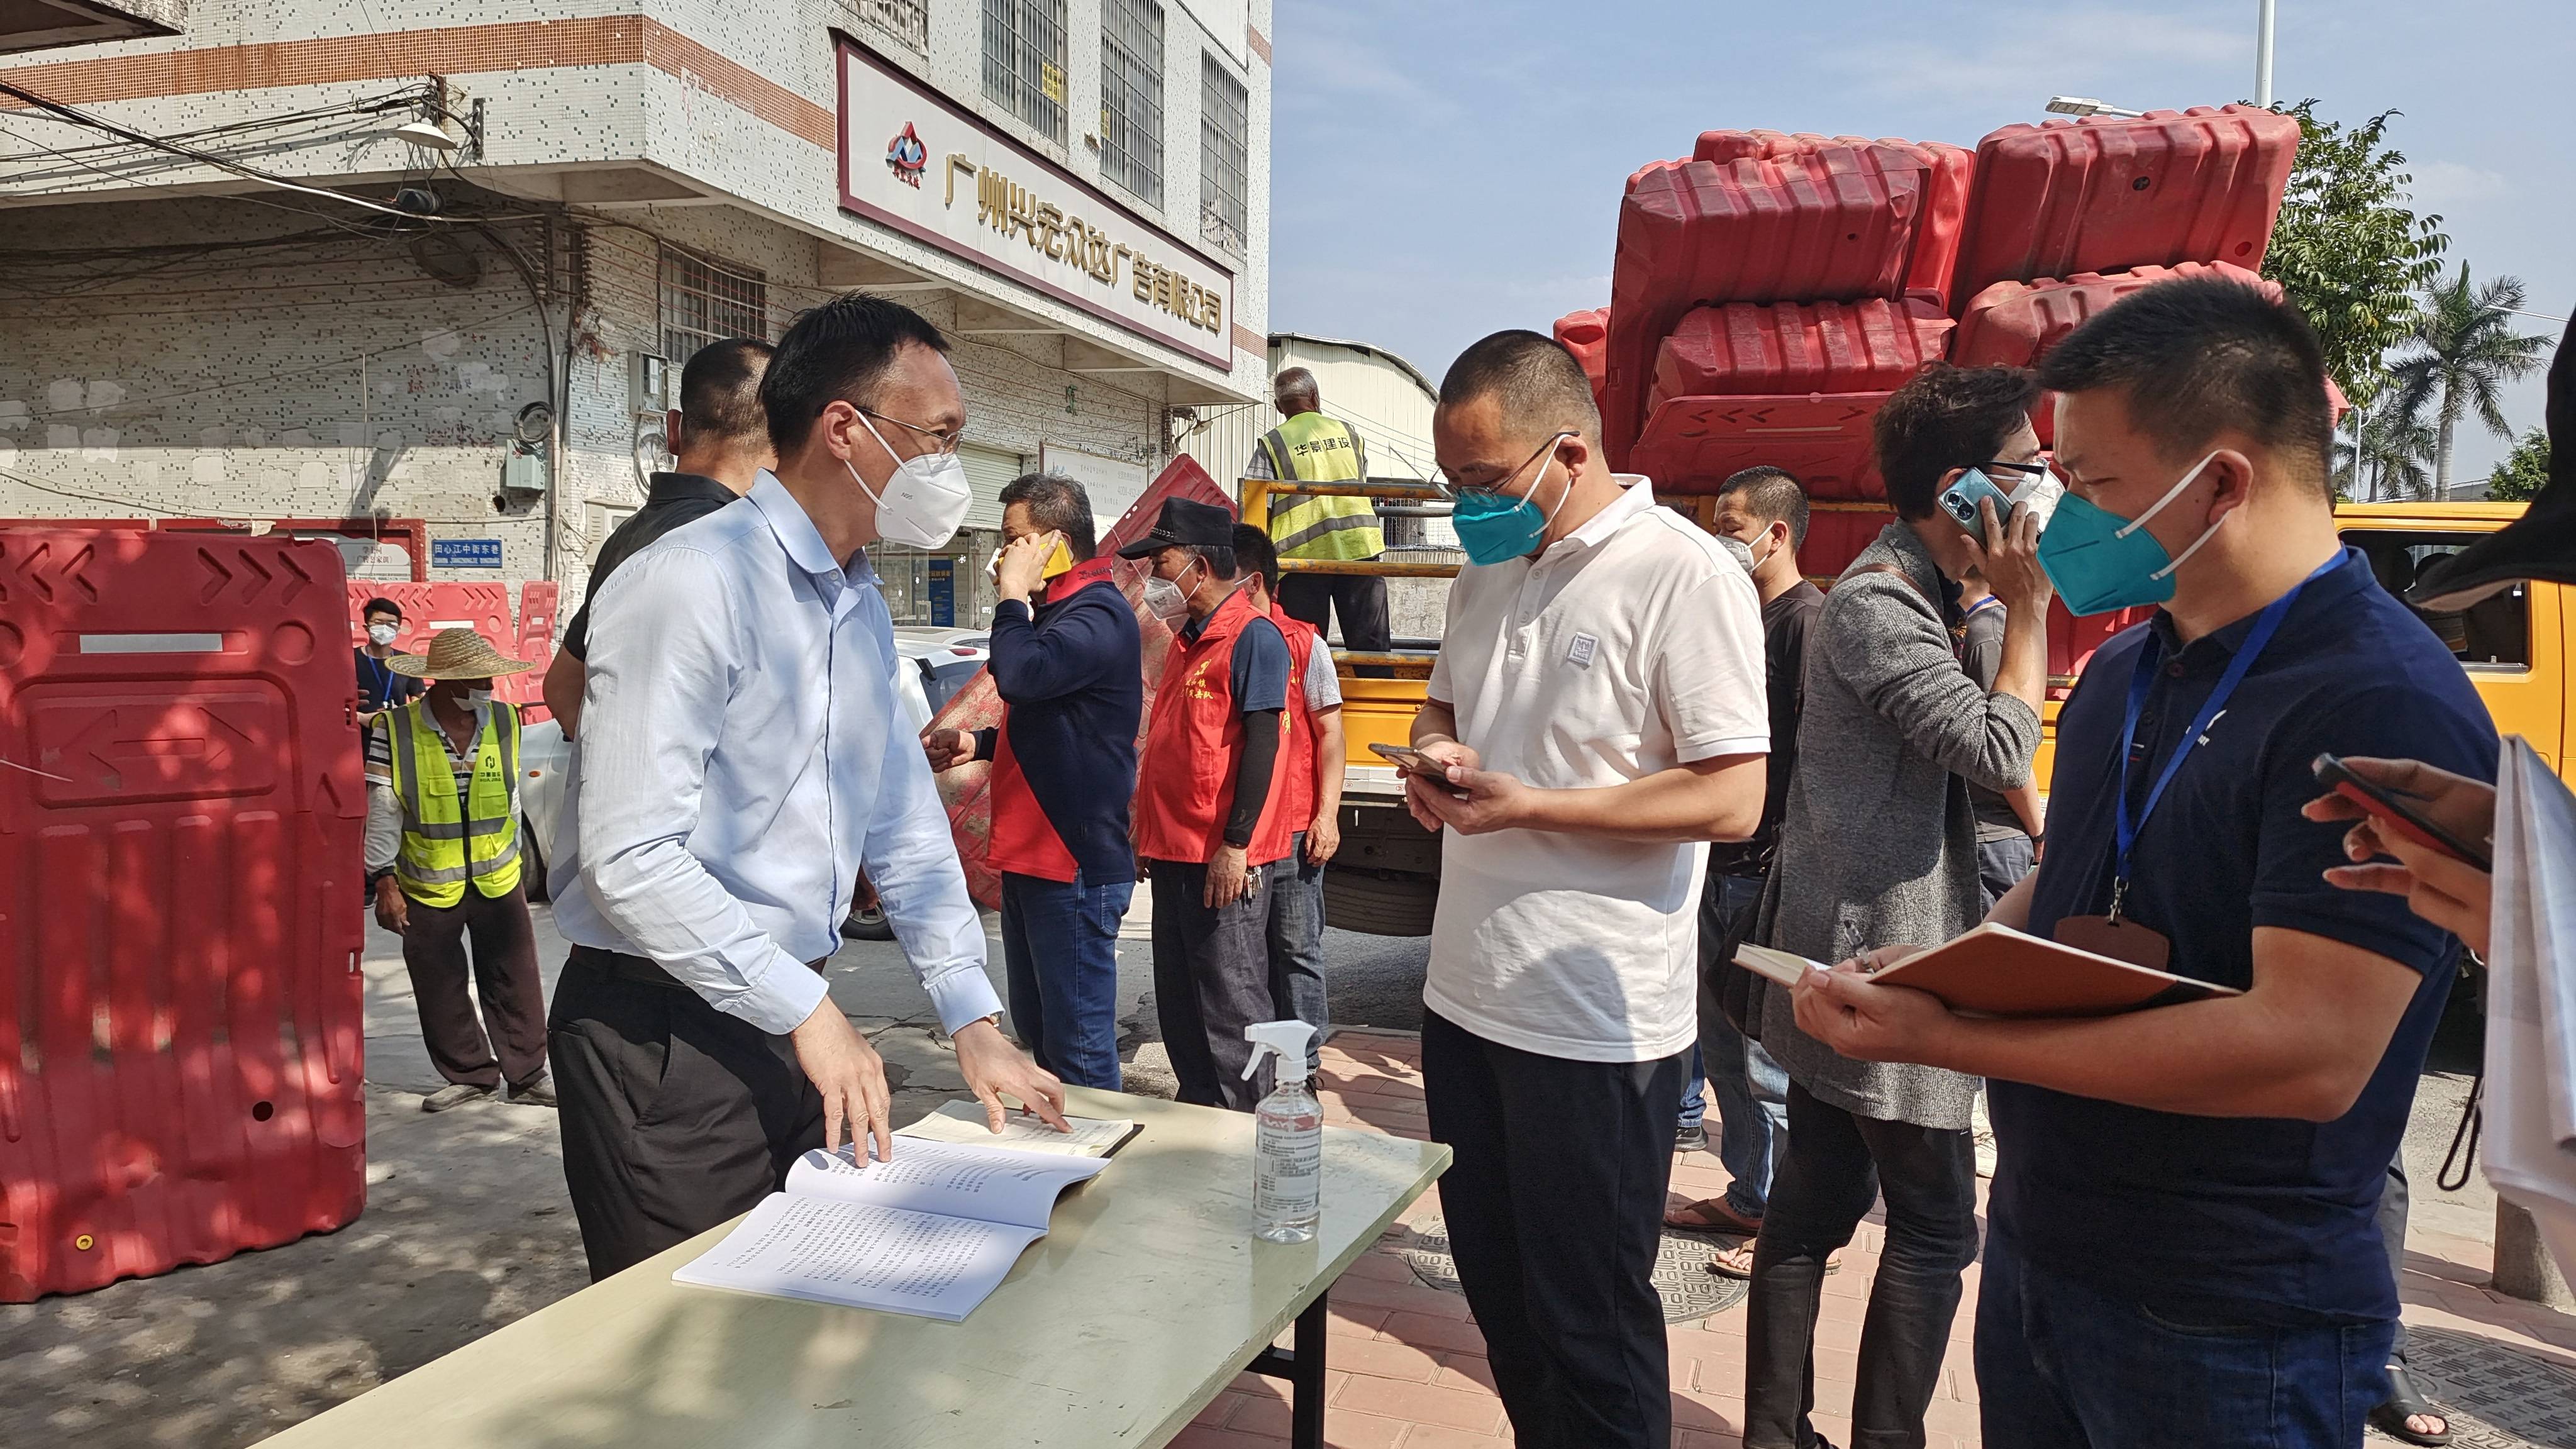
[(2392, 809), (1414, 762), (1959, 500)]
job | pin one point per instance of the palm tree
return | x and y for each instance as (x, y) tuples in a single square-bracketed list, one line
[(2391, 458), (2463, 351)]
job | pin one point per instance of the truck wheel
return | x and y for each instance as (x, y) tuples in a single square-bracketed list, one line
[(1375, 904)]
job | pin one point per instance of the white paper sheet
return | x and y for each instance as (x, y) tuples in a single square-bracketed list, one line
[(993, 1184), (2530, 1098), (964, 1123), (841, 1253)]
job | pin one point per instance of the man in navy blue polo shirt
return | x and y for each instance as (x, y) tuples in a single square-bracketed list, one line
[(2181, 1245)]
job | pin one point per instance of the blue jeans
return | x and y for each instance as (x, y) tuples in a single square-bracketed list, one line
[(1060, 956), (2062, 1366), (1752, 1091), (1296, 939)]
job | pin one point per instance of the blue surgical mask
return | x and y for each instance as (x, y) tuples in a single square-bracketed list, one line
[(2100, 562), (1496, 527)]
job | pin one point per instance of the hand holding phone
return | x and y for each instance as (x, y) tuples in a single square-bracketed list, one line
[(1960, 499), (2409, 814), (1413, 762)]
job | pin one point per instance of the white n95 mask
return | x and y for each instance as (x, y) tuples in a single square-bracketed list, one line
[(924, 500)]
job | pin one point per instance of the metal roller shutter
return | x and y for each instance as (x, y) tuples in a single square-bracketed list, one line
[(990, 470)]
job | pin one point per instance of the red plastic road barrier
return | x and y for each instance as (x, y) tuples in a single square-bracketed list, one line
[(181, 1049), (967, 789), (1587, 335), (1934, 252), (1830, 224), (1692, 444), (535, 643), (1789, 347), (428, 608), (2015, 324), (2106, 195)]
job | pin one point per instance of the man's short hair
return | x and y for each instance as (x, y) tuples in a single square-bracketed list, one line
[(836, 351), (1538, 383), (377, 606), (2197, 357), (1295, 382), (1946, 417), (1772, 495), (1059, 504), (1219, 558), (1255, 553), (720, 391)]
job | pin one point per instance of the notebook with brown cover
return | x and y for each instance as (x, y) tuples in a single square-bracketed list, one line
[(1995, 970)]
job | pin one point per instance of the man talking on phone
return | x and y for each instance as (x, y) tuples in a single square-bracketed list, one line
[(2181, 1245), (1065, 659)]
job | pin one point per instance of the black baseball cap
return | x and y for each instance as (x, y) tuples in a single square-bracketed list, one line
[(1184, 524), (2541, 544)]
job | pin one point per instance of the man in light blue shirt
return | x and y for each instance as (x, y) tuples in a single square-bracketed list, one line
[(740, 761)]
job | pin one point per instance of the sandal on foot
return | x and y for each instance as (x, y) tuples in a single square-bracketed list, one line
[(1737, 1262), (1711, 1215), (2407, 1400)]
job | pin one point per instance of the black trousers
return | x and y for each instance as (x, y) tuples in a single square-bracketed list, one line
[(1838, 1165), (509, 1042), (675, 1115), (1211, 980), (1555, 1208), (1359, 598), (2393, 1203)]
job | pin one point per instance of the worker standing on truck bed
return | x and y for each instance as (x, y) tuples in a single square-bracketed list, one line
[(443, 860), (1211, 787), (1596, 715), (2181, 1246), (1323, 527)]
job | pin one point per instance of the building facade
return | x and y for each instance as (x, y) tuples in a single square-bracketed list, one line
[(456, 359)]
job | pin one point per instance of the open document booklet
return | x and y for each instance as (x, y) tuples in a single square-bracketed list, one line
[(1998, 971), (929, 1233)]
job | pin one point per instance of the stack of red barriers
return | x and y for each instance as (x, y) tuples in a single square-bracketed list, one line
[(1770, 292)]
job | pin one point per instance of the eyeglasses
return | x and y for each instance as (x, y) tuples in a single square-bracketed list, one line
[(941, 443), (1450, 487)]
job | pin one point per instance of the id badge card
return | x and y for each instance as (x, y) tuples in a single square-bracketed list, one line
[(2115, 935)]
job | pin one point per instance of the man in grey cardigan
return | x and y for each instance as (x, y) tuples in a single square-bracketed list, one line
[(1879, 845)]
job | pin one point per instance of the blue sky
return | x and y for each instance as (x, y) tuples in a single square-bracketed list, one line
[(1443, 168)]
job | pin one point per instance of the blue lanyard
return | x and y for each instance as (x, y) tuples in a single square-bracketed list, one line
[(2143, 678), (384, 675)]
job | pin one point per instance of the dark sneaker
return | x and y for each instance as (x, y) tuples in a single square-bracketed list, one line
[(455, 1094), (1693, 1138), (539, 1093)]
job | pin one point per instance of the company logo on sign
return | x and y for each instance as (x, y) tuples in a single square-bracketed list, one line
[(905, 156)]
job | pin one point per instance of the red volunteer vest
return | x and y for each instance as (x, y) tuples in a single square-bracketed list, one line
[(1024, 841), (1296, 724), (1185, 776)]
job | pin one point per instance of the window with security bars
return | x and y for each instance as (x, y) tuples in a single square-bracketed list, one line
[(1131, 96), (1225, 157), (906, 22), (1024, 61), (705, 301)]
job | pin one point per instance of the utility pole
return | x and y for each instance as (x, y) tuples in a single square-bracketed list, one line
[(2263, 55)]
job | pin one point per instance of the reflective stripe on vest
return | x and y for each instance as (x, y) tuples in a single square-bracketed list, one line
[(1312, 448), (447, 841)]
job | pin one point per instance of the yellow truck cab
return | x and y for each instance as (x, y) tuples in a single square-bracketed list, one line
[(2514, 645)]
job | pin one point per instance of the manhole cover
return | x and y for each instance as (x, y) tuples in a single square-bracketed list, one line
[(1682, 1278), (2497, 1397)]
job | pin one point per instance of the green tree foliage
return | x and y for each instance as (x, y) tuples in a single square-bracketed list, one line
[(2348, 249), (2459, 356), (2392, 458), (2518, 478)]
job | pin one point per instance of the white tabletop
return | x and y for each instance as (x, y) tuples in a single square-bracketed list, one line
[(1146, 1297)]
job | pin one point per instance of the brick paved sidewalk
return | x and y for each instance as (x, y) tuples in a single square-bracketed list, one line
[(1407, 1367)]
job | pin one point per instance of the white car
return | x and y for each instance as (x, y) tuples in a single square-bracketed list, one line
[(942, 660)]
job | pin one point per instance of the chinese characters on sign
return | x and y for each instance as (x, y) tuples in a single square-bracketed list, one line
[(1020, 215), (465, 553), (1014, 210)]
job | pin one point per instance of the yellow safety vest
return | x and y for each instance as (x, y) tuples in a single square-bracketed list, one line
[(1312, 448), (445, 842)]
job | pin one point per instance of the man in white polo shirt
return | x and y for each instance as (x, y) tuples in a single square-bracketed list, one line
[(1598, 715)]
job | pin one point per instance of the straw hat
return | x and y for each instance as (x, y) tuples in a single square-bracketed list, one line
[(456, 654)]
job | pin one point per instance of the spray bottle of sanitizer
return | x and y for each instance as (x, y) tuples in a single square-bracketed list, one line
[(1288, 1138)]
